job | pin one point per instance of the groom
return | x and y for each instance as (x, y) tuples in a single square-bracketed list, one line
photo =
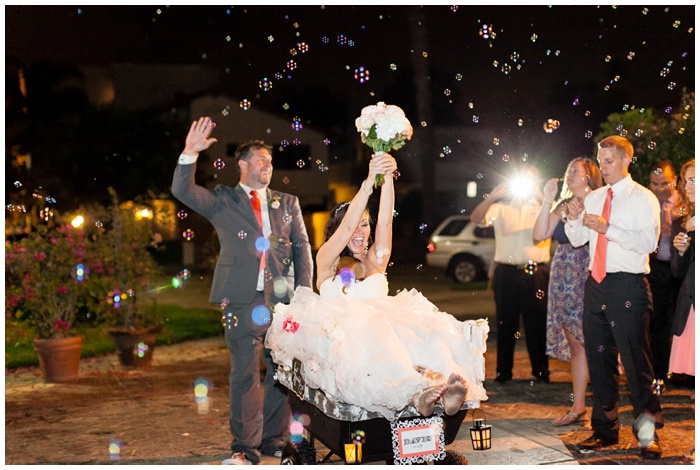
[(265, 254)]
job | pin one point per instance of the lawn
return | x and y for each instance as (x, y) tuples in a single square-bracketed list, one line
[(180, 325)]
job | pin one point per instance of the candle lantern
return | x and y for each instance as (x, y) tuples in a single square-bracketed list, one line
[(480, 433), (353, 451)]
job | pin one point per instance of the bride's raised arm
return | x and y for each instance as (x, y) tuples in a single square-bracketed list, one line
[(329, 252), (380, 251)]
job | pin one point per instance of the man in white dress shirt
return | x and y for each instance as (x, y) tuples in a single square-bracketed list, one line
[(617, 300)]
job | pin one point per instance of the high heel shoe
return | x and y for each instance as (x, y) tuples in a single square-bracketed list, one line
[(570, 418)]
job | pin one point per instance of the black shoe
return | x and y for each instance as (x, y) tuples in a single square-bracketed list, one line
[(271, 449), (501, 379), (543, 377), (652, 451), (596, 442)]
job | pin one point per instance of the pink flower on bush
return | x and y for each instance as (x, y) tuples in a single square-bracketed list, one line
[(61, 325), (62, 289), (290, 326), (40, 256)]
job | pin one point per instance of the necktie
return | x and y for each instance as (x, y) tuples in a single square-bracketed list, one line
[(255, 201), (601, 248)]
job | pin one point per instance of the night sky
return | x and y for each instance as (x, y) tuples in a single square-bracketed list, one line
[(498, 73)]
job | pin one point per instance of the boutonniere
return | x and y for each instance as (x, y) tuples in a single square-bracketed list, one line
[(274, 202)]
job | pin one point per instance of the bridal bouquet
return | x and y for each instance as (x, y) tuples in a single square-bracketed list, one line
[(383, 127)]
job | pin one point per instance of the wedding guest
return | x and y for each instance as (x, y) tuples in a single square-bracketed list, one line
[(664, 287), (620, 222), (521, 274), (568, 273), (248, 278), (682, 360)]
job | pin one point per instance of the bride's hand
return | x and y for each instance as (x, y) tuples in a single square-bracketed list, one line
[(382, 165)]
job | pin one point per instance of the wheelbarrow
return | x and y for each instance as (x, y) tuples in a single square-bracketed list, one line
[(409, 438)]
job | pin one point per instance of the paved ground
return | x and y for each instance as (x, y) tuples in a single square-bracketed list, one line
[(150, 416)]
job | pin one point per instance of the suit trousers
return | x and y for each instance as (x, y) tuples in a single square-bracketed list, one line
[(519, 291), (664, 293), (616, 316), (254, 421)]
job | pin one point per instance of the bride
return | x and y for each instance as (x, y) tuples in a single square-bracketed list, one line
[(364, 347)]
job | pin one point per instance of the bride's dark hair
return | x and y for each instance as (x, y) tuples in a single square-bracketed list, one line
[(337, 216)]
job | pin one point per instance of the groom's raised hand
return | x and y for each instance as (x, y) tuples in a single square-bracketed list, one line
[(198, 137)]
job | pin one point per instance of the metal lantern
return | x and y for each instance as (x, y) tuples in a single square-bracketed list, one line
[(353, 451), (480, 433)]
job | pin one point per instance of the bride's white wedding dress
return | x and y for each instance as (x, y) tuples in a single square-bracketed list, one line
[(362, 346)]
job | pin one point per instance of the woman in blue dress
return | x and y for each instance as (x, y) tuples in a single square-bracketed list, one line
[(568, 273)]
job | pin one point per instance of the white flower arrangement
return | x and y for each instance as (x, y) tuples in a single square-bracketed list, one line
[(275, 202), (383, 128)]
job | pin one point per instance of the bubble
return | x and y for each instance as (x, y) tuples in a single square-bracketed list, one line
[(219, 164), (550, 126), (479, 176), (261, 315), (287, 219), (327, 141), (245, 104), (530, 268), (303, 47), (588, 134), (291, 65), (603, 307), (533, 38), (141, 349), (114, 449), (285, 106), (347, 276), (601, 348), (393, 67), (520, 123), (301, 163), (496, 141), (458, 77), (422, 227), (676, 24), (424, 124), (188, 234), (506, 69), (447, 92), (645, 11), (265, 84), (571, 397), (361, 74), (658, 387), (242, 234), (185, 274), (671, 85), (419, 267), (447, 150), (487, 32), (489, 152), (229, 320), (540, 294), (517, 335), (279, 287), (505, 158), (652, 145), (224, 302), (608, 58), (342, 40), (296, 124), (475, 119), (262, 244)]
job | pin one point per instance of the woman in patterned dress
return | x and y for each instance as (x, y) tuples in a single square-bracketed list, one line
[(568, 274)]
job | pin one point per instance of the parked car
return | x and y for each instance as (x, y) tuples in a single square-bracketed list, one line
[(462, 248)]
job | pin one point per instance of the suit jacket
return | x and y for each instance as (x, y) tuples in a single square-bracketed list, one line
[(230, 212), (683, 267)]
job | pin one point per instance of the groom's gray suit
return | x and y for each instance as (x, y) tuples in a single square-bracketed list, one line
[(288, 265)]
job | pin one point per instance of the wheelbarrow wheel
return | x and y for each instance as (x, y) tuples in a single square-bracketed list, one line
[(453, 458), (301, 453)]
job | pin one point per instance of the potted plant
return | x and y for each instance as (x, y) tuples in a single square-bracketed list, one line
[(45, 281), (132, 313)]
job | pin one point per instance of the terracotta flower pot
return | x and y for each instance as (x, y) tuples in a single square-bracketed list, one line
[(59, 358), (135, 347)]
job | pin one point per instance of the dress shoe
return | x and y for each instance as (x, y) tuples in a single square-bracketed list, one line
[(652, 451), (596, 442), (501, 379)]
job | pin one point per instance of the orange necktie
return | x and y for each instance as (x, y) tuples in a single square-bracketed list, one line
[(255, 201), (601, 248)]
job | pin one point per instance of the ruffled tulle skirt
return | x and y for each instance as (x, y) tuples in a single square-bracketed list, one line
[(682, 359), (366, 352)]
